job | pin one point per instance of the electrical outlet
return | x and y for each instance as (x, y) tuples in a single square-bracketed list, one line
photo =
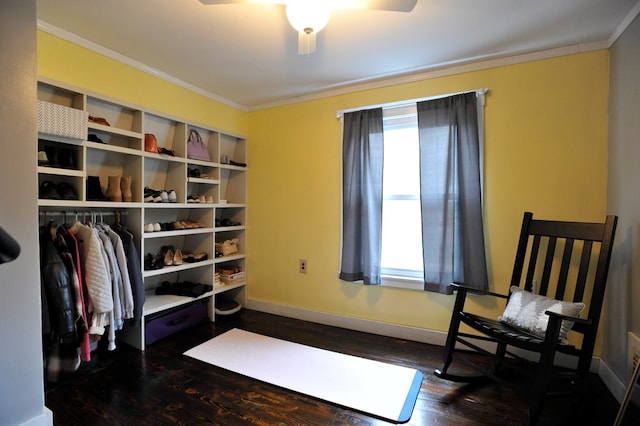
[(303, 266)]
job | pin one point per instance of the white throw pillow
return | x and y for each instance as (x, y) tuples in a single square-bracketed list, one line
[(526, 311)]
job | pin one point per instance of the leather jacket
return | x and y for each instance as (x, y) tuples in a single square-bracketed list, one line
[(56, 282)]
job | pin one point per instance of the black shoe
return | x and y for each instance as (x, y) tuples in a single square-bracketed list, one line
[(67, 158), (52, 155), (94, 138), (48, 191), (152, 262), (94, 190), (66, 191)]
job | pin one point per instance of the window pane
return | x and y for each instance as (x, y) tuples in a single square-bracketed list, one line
[(401, 237), (401, 163), (401, 219)]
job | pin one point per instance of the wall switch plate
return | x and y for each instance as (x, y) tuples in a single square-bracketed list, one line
[(303, 266)]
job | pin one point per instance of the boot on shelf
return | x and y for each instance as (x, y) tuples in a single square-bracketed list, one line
[(125, 188), (67, 158), (52, 155), (114, 193), (94, 190)]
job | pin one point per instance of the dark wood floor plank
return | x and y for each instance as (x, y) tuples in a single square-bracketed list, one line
[(163, 387)]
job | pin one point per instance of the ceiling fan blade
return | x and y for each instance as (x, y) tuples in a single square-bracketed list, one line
[(391, 5), (306, 43), (241, 2)]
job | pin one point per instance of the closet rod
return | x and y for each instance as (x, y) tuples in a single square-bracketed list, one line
[(82, 212)]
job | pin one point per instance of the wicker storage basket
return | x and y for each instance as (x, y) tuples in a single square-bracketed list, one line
[(64, 123)]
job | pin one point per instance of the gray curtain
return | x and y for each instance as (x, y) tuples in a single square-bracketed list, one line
[(362, 161), (452, 232)]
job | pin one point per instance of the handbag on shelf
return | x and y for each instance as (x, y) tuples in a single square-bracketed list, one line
[(228, 247), (150, 142), (196, 149)]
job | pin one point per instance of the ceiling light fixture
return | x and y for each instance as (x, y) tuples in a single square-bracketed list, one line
[(308, 16)]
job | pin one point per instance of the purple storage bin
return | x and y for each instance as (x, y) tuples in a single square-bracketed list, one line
[(168, 322)]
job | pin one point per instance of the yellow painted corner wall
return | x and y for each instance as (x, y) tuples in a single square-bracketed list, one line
[(545, 152), (72, 64)]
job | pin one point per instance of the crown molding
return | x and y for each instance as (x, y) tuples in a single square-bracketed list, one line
[(633, 13), (380, 81), (82, 42), (440, 70)]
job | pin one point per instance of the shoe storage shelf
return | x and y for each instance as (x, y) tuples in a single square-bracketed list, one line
[(177, 208)]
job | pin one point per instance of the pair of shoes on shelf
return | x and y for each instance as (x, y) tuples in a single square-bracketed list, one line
[(227, 222), (94, 138), (194, 257), (171, 256), (152, 262), (200, 200), (60, 157), (159, 196), (166, 151), (185, 288), (98, 120), (193, 173), (119, 189), (61, 191), (187, 224), (172, 226), (153, 227)]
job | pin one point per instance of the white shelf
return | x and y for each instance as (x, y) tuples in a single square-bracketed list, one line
[(122, 154), (111, 148), (44, 170), (155, 303), (221, 288), (169, 269), (178, 232)]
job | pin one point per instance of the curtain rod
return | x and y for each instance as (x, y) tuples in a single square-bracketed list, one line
[(341, 112)]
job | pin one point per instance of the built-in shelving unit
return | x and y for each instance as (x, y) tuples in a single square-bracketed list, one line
[(117, 150)]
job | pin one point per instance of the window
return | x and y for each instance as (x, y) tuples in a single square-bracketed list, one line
[(412, 194), (401, 220)]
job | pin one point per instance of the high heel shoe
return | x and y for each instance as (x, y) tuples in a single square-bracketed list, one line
[(177, 257), (168, 257)]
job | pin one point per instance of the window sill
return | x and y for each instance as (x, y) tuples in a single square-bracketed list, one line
[(402, 282)]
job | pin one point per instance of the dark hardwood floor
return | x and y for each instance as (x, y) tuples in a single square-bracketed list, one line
[(163, 387)]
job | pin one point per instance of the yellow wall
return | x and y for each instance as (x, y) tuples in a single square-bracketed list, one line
[(546, 151), (69, 63)]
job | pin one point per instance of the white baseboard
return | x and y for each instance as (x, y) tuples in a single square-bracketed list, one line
[(612, 381), (432, 337), (368, 326)]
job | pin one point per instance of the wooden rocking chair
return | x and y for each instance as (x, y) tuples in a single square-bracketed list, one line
[(559, 264)]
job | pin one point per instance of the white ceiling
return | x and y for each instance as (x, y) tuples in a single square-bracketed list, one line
[(247, 53)]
